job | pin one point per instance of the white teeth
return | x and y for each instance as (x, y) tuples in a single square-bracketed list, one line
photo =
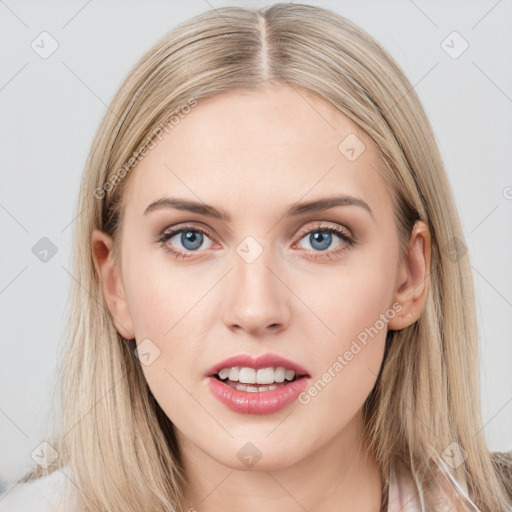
[(224, 373), (246, 375), (265, 376), (253, 389), (280, 374), (289, 374), (233, 374)]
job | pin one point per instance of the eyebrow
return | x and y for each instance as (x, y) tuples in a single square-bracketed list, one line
[(295, 209)]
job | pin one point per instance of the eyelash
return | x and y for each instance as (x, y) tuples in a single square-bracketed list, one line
[(166, 235)]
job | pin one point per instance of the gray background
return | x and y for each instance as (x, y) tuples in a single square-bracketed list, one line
[(50, 109)]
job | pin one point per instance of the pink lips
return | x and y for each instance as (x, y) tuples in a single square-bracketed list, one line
[(258, 402)]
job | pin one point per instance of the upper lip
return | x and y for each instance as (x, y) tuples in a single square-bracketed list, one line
[(257, 362)]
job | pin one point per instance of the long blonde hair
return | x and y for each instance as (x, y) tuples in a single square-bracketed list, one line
[(115, 438)]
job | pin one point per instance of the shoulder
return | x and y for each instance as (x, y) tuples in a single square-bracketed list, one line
[(46, 494)]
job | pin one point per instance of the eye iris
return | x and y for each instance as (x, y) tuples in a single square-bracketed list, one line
[(322, 237), (193, 237)]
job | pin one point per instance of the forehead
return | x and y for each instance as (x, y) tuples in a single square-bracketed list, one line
[(246, 148)]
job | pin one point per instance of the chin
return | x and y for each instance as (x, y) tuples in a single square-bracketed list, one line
[(245, 455)]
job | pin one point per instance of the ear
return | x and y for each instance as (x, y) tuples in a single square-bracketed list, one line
[(111, 284), (413, 278)]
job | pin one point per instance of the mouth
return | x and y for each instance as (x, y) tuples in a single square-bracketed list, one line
[(267, 372), (257, 385), (257, 381)]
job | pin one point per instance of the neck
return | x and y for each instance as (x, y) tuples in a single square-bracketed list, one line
[(339, 476)]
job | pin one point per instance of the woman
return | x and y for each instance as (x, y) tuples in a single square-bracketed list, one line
[(268, 312)]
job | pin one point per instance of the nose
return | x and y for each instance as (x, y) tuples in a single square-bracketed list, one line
[(258, 298)]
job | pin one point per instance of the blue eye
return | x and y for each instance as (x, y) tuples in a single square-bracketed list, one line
[(321, 239), (192, 238)]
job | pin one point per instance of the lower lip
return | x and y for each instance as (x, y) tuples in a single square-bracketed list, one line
[(264, 402)]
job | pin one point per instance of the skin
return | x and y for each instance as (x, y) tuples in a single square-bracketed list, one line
[(244, 153)]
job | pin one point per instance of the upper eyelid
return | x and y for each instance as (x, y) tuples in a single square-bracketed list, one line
[(326, 225), (319, 225), (177, 228)]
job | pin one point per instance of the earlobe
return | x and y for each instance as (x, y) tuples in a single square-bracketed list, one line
[(111, 283), (413, 278)]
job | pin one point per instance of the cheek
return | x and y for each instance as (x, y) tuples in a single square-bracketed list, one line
[(350, 360), (164, 305), (356, 296), (356, 306), (164, 312), (154, 292)]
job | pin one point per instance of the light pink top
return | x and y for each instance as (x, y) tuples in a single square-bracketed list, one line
[(405, 495)]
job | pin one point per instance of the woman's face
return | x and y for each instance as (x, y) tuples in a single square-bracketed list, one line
[(315, 286)]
